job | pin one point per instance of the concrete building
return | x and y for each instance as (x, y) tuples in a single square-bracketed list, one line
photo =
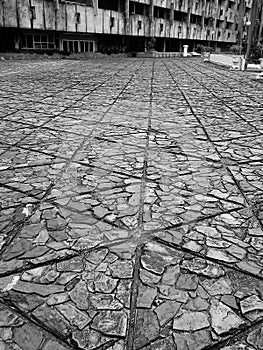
[(118, 25)]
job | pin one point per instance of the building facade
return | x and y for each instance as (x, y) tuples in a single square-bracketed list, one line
[(119, 25)]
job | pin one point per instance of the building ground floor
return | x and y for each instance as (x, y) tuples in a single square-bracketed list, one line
[(13, 39)]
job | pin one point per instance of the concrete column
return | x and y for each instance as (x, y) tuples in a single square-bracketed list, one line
[(164, 45), (127, 9)]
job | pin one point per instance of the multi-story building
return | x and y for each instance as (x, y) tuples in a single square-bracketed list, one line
[(116, 25)]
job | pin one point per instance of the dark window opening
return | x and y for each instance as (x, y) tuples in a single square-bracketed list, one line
[(161, 27), (108, 5), (196, 19), (33, 12), (139, 25), (137, 8), (112, 20), (88, 3), (77, 17), (160, 12), (76, 46), (180, 16)]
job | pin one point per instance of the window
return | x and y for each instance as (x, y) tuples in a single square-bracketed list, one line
[(77, 17), (77, 46), (161, 27), (33, 12), (139, 25), (108, 4), (39, 41), (112, 20)]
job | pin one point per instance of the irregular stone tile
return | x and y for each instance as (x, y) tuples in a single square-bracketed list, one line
[(255, 338), (187, 282), (147, 328), (73, 315), (112, 323), (149, 278), (105, 302), (40, 289), (192, 341), (223, 318), (163, 344), (252, 307), (191, 321), (79, 295), (166, 311), (146, 296), (90, 338), (122, 269), (28, 337), (105, 284)]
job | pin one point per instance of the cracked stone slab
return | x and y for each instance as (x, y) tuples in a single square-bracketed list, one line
[(107, 195), (53, 232), (178, 192), (197, 303), (234, 238), (18, 333), (83, 299)]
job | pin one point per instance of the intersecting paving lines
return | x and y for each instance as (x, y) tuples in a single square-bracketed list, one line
[(143, 224)]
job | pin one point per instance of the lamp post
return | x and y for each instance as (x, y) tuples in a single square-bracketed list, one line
[(248, 23)]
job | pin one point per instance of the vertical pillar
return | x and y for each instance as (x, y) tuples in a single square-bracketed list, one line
[(95, 7), (251, 27), (127, 9), (164, 45)]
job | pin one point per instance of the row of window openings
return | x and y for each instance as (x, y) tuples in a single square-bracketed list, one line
[(39, 41), (77, 46), (179, 16)]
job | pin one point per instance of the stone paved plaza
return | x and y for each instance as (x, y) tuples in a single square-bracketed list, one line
[(131, 206)]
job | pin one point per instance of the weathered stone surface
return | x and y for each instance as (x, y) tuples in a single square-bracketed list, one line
[(41, 289), (112, 323), (90, 338), (221, 255), (163, 344), (79, 295), (7, 318), (105, 284), (28, 337), (197, 304), (166, 311), (217, 287), (147, 328), (171, 275), (255, 338), (192, 341), (122, 269), (52, 318), (149, 278), (17, 249), (52, 345), (171, 293), (191, 321), (252, 307), (223, 318), (187, 282), (56, 224), (74, 264), (73, 315), (146, 296), (101, 301)]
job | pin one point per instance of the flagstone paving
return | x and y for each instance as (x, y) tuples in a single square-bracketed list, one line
[(131, 206)]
